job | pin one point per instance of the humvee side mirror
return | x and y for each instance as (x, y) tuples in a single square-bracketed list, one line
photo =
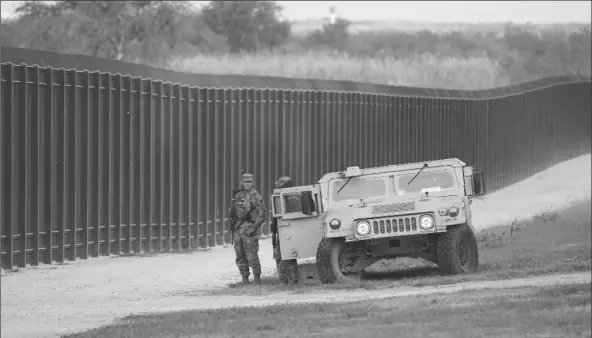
[(478, 184), (307, 204)]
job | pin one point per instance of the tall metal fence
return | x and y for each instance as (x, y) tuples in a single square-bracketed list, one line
[(95, 163)]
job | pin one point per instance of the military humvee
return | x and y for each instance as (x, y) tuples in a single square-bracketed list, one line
[(351, 219)]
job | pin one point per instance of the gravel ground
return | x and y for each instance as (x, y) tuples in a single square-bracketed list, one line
[(51, 300)]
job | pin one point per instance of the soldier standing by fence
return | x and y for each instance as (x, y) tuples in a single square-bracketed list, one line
[(287, 269), (248, 213)]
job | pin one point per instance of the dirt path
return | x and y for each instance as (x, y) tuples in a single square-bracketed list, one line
[(343, 296), (86, 294), (52, 324)]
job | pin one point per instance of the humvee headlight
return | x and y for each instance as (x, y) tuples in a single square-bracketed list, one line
[(335, 224), (363, 228), (442, 211), (426, 222)]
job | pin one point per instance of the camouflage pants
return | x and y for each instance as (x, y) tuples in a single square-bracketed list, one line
[(247, 254), (287, 269)]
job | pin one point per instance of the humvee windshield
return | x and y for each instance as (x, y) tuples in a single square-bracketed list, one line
[(442, 180), (359, 187)]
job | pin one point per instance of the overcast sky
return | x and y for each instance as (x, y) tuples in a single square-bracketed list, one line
[(429, 11)]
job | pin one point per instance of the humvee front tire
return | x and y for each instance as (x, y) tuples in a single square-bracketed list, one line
[(329, 256), (457, 251)]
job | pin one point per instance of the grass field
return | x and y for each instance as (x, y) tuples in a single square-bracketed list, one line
[(550, 243), (558, 311), (421, 71)]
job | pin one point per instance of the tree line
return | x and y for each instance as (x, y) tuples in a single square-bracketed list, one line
[(154, 32)]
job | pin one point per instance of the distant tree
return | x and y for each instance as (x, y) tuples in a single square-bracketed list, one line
[(334, 34), (247, 25), (153, 32), (120, 30)]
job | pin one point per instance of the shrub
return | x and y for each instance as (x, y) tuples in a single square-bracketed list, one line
[(425, 70)]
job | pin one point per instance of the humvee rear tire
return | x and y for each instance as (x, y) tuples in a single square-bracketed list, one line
[(328, 267), (282, 270), (457, 251)]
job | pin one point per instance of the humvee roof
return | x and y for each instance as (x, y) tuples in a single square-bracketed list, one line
[(453, 162)]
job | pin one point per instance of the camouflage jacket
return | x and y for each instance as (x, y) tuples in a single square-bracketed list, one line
[(245, 201)]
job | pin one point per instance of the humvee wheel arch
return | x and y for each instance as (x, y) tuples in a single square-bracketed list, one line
[(457, 251), (328, 259)]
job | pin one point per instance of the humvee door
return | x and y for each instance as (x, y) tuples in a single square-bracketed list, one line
[(299, 214)]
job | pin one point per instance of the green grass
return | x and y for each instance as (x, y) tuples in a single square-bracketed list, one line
[(558, 311)]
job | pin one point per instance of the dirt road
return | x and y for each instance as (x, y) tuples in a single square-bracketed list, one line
[(53, 322)]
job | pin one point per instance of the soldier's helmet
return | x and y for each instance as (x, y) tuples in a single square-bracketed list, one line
[(246, 177), (283, 182)]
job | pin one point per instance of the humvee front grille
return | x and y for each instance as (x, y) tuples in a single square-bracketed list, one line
[(393, 225)]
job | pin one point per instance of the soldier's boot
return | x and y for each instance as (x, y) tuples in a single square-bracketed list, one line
[(257, 279), (245, 279)]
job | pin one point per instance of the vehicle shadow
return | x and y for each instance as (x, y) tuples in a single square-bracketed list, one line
[(423, 271), (393, 275)]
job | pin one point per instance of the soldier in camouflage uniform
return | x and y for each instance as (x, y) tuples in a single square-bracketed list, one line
[(250, 207), (287, 269)]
